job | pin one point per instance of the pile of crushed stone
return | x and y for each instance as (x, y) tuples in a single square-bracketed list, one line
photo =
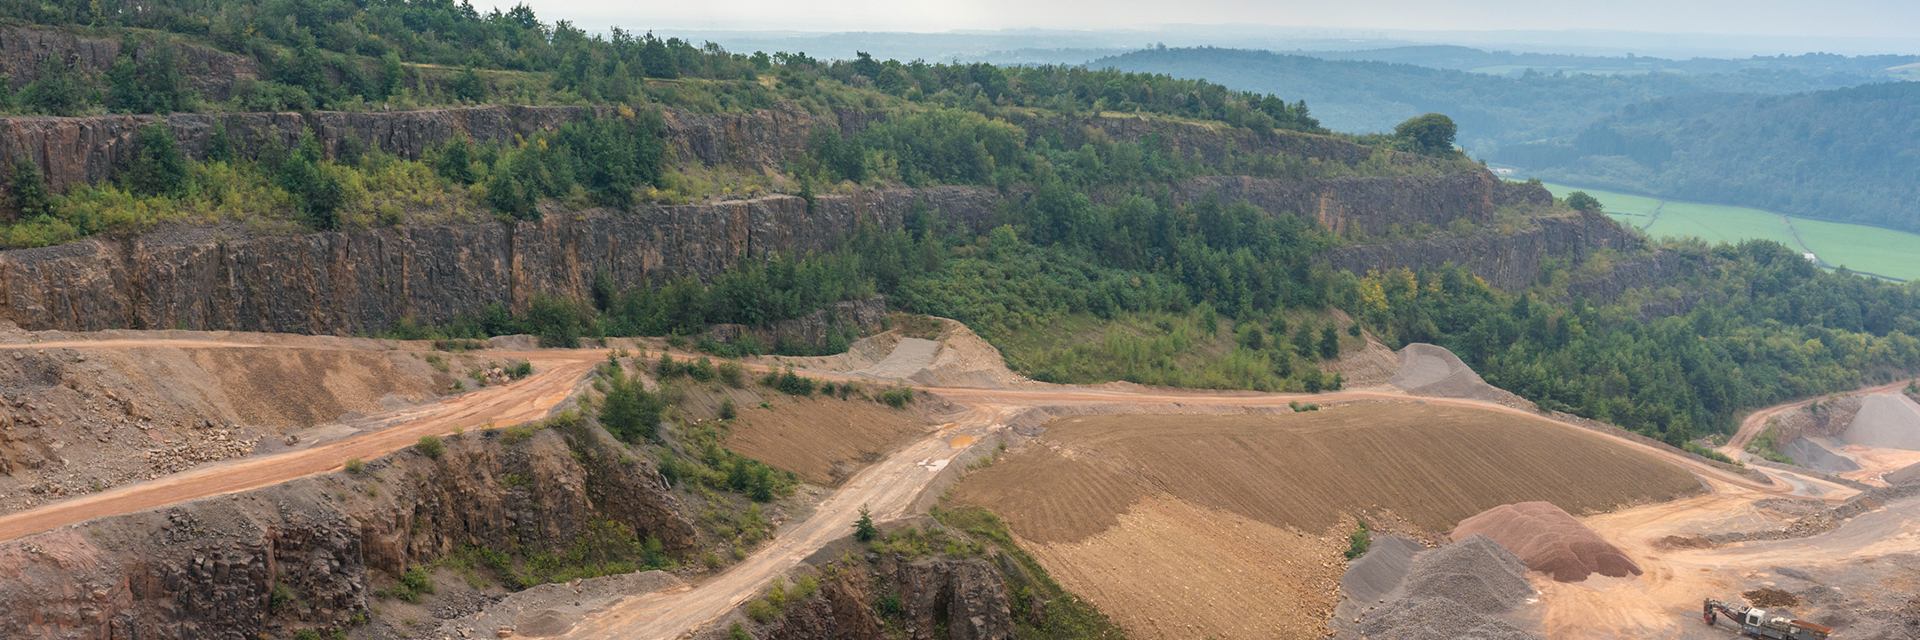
[(1456, 591), (1376, 577), (1431, 370), (1885, 421), (1811, 455), (1549, 541), (1909, 473)]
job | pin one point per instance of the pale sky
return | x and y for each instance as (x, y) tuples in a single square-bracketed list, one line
[(1819, 18)]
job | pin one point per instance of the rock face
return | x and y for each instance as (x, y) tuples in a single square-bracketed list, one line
[(1506, 261), (1373, 205), (87, 149), (366, 280), (24, 51), (300, 555), (941, 598)]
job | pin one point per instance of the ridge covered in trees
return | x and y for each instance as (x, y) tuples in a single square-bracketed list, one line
[(1845, 155)]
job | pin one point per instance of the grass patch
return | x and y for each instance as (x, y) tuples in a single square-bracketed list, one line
[(1767, 445), (1859, 247)]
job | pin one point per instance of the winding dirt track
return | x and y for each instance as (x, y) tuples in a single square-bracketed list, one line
[(1757, 421), (887, 488), (561, 373)]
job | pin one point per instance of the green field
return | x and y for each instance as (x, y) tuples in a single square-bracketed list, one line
[(1883, 252)]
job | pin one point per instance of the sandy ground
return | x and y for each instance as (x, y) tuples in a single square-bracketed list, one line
[(1214, 574), (1665, 602), (984, 400)]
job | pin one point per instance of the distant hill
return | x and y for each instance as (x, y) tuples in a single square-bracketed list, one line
[(1850, 154), (1492, 111), (1517, 63)]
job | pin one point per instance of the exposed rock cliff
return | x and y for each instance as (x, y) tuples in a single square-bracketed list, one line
[(365, 280), (23, 52), (87, 149), (299, 555), (932, 598), (1373, 205), (1506, 261)]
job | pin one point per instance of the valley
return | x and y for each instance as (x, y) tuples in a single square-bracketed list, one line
[(1874, 251)]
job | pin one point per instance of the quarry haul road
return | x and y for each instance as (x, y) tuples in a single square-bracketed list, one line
[(1757, 421), (886, 488)]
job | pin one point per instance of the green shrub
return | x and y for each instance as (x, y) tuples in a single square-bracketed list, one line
[(355, 466), (738, 632), (703, 370), (521, 369), (727, 410), (157, 169), (431, 446), (1358, 541), (898, 397), (732, 374), (863, 529), (760, 611)]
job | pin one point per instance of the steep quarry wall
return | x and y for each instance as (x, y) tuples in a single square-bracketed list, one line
[(366, 280), (24, 52), (88, 149), (1506, 261), (1373, 205), (301, 555)]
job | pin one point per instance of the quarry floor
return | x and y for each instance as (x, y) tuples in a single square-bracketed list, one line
[(978, 406)]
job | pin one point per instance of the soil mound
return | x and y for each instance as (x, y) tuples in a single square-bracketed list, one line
[(1549, 541), (1431, 370), (1811, 455), (1885, 421), (1455, 592), (544, 623)]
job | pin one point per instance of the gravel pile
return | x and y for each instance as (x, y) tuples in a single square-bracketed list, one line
[(1549, 541), (1909, 473), (1886, 421), (1811, 455), (1376, 577), (1430, 370), (1452, 592)]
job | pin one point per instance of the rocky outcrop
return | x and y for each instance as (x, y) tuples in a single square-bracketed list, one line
[(365, 280), (1506, 261), (940, 598), (23, 52), (88, 149), (1372, 205), (301, 555)]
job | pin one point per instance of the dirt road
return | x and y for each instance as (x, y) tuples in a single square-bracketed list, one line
[(560, 373), (887, 488), (1757, 421)]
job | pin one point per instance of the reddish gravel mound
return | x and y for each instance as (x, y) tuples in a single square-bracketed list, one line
[(1549, 540)]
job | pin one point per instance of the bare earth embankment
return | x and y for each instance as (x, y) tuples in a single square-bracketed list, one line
[(1125, 509)]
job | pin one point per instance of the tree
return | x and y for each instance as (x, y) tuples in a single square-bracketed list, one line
[(863, 529), (317, 192), (391, 74), (27, 190), (157, 168), (1580, 201), (1303, 340), (60, 90), (1329, 343), (468, 86), (1430, 134), (152, 83)]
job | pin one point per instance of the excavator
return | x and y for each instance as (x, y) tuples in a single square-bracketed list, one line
[(1760, 624)]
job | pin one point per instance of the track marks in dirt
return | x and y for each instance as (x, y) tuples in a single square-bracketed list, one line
[(1171, 569), (1433, 465), (821, 440)]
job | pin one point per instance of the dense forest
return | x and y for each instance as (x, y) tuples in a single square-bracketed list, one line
[(1492, 111), (1846, 154), (1202, 293)]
